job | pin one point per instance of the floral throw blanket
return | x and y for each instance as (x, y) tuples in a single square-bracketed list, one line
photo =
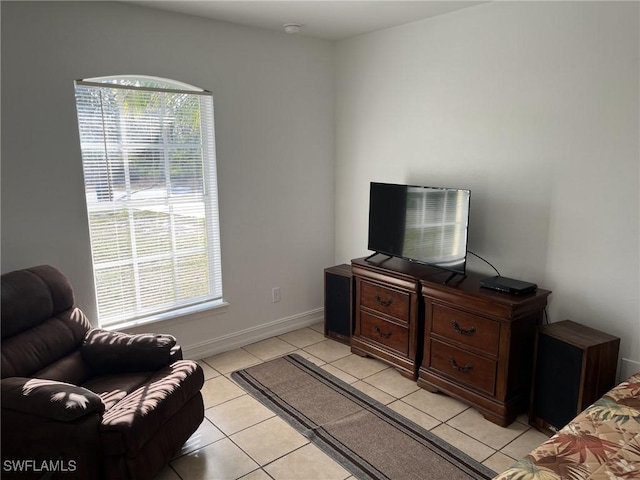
[(601, 443)]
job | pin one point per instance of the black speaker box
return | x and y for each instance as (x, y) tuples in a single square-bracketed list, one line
[(574, 365), (338, 303)]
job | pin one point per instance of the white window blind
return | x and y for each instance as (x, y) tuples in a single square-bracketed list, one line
[(149, 163)]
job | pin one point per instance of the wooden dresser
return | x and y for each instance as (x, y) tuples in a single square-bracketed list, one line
[(387, 314), (479, 345), (469, 342)]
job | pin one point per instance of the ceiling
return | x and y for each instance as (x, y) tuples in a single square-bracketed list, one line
[(325, 19)]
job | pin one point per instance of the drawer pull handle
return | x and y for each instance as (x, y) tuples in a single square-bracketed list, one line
[(461, 331), (466, 369), (384, 303), (379, 332)]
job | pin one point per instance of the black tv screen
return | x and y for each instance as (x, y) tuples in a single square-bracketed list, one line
[(422, 224)]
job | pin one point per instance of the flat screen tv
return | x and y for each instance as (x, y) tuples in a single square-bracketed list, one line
[(422, 224)]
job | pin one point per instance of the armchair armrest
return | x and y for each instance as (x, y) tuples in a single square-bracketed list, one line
[(59, 401), (116, 352)]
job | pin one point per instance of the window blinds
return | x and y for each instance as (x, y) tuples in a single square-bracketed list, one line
[(148, 156)]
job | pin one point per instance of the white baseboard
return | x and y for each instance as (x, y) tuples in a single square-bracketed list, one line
[(252, 335), (627, 368)]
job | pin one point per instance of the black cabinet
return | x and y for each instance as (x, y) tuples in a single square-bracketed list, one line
[(574, 366), (337, 303)]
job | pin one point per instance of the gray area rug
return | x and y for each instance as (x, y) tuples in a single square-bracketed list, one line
[(367, 438)]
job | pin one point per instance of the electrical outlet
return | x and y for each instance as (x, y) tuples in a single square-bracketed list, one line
[(275, 294)]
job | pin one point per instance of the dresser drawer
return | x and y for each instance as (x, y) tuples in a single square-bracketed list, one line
[(468, 369), (386, 333), (385, 300), (472, 330)]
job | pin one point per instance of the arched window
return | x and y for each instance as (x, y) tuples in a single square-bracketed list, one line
[(148, 155)]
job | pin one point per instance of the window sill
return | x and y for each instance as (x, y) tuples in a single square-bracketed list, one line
[(214, 307)]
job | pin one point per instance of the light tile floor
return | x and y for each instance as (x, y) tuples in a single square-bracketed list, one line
[(240, 438)]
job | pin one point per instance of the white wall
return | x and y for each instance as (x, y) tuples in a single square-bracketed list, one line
[(533, 106), (274, 132)]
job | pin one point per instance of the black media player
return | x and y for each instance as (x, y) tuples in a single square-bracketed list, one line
[(508, 285)]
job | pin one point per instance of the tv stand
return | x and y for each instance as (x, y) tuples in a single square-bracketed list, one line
[(378, 253), (452, 276), (458, 338)]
